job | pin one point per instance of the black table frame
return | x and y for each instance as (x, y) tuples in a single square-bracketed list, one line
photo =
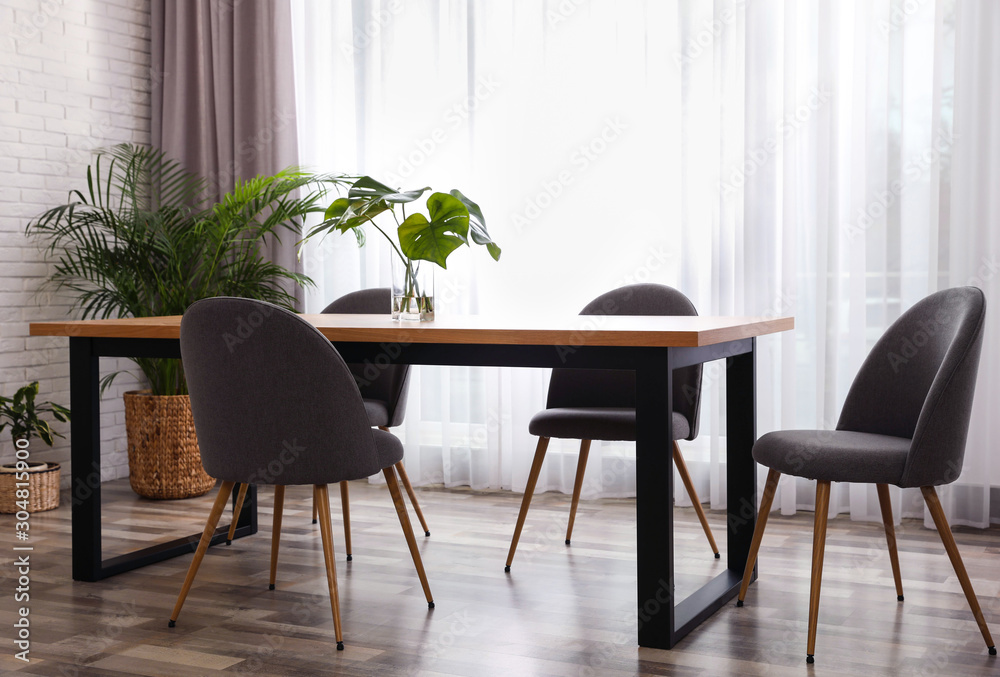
[(662, 621)]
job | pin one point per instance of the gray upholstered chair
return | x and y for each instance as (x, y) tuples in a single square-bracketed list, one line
[(274, 403), (383, 390), (595, 404), (904, 423)]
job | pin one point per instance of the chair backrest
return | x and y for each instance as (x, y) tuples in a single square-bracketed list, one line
[(273, 401), (387, 383), (616, 388), (918, 382)]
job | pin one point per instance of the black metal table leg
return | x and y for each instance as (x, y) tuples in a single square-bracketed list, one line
[(85, 456), (741, 476), (662, 622), (654, 501)]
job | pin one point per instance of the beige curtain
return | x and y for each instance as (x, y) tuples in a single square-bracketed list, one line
[(223, 96)]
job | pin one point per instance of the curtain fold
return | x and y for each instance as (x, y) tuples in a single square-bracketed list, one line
[(225, 105), (831, 161)]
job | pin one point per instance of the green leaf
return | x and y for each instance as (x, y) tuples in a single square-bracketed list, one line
[(477, 225), (45, 432), (434, 240), (337, 209), (346, 214), (368, 188)]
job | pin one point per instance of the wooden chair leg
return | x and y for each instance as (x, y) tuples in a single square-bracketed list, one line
[(206, 537), (885, 504), (770, 487), (819, 547), (536, 469), (581, 467), (236, 513), (321, 498), (944, 530), (279, 506), (689, 485), (404, 522), (409, 491), (345, 507), (413, 496), (315, 512)]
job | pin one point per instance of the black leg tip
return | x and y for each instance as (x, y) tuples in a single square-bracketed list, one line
[(270, 586), (718, 556), (993, 650), (506, 569), (739, 602), (350, 558), (173, 624), (340, 646), (567, 541), (341, 643), (228, 542), (899, 598), (430, 605), (810, 659), (427, 533)]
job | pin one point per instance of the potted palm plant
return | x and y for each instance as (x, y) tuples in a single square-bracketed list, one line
[(24, 485), (142, 240), (452, 220)]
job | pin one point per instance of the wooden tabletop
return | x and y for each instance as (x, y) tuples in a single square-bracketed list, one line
[(575, 330)]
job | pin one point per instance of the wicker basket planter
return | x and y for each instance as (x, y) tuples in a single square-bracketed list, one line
[(43, 487), (163, 456)]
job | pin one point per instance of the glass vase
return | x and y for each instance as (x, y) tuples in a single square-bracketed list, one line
[(412, 290)]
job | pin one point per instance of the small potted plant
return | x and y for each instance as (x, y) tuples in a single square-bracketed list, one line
[(452, 220), (27, 486)]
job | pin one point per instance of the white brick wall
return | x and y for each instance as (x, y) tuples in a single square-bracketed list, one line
[(74, 77)]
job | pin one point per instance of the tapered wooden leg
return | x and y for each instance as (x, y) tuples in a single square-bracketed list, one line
[(770, 487), (404, 522), (890, 536), (819, 547), (689, 485), (944, 530), (581, 468), (321, 497), (314, 512), (409, 491), (413, 497), (225, 490), (236, 513), (345, 507), (279, 506), (536, 469)]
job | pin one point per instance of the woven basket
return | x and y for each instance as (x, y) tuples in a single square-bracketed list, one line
[(43, 487), (163, 456)]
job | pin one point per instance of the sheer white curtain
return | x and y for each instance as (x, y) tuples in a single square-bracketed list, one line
[(858, 211), (764, 158)]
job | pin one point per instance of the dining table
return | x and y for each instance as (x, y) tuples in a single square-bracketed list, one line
[(651, 346)]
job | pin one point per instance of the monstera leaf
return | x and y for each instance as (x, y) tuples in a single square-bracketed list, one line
[(453, 219), (477, 225), (434, 240), (369, 189)]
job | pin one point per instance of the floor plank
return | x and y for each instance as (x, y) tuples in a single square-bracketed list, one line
[(563, 611)]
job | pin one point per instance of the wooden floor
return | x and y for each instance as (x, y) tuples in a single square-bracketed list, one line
[(561, 611)]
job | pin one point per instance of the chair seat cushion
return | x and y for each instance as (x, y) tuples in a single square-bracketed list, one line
[(595, 423), (834, 455), (378, 412), (389, 448)]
